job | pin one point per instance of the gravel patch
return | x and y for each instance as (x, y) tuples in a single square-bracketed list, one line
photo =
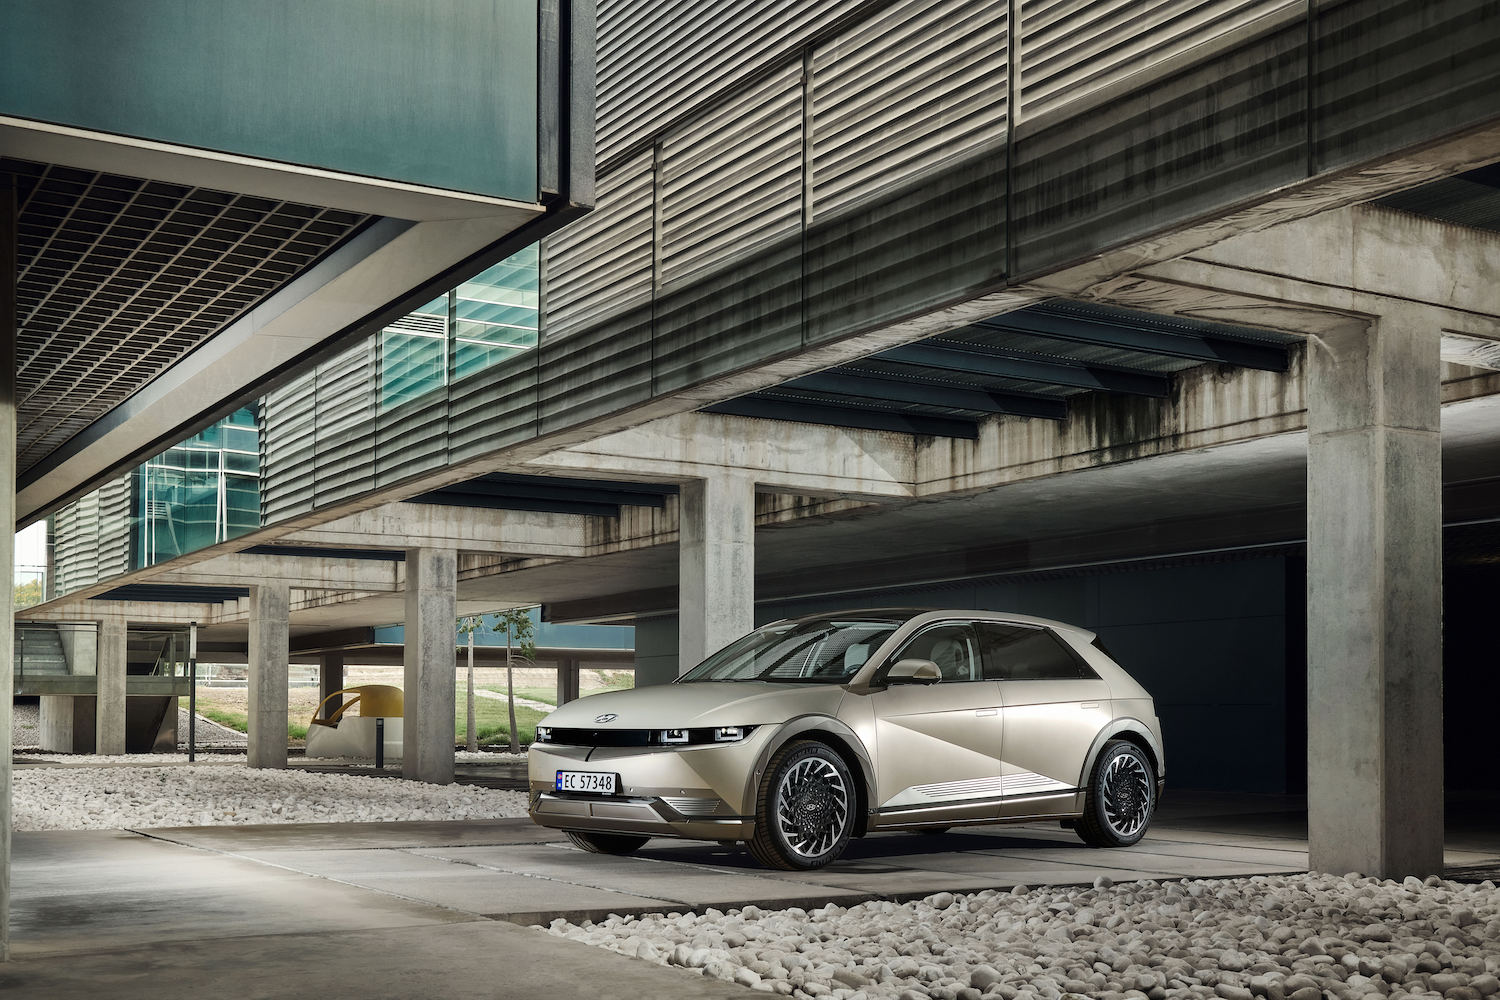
[(1297, 937), (208, 794), (26, 721), (209, 733)]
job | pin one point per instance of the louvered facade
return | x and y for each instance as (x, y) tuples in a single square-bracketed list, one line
[(775, 176)]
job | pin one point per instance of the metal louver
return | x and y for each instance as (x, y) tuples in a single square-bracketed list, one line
[(732, 180), (921, 84), (1072, 49)]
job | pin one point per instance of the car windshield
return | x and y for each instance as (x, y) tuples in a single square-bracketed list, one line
[(821, 651)]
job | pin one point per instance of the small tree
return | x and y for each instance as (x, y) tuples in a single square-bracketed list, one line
[(468, 625), (519, 632)]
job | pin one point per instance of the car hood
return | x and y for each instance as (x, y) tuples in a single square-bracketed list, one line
[(703, 703)]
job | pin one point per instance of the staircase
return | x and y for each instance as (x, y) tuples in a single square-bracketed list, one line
[(39, 652)]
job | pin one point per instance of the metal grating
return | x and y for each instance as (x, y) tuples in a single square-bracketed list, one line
[(1469, 199), (118, 278)]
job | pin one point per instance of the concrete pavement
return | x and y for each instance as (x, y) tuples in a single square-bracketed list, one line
[(413, 910)]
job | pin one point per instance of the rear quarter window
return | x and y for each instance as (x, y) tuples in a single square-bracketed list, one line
[(1028, 653)]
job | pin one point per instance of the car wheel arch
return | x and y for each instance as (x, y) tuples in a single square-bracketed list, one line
[(836, 736), (1131, 730)]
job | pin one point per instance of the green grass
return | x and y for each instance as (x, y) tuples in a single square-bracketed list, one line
[(239, 721), (548, 695)]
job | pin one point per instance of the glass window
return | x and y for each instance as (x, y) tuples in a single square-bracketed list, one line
[(495, 314), (821, 651), (951, 646), (1027, 653)]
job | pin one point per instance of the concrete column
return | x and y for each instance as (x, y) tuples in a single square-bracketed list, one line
[(269, 654), (109, 725), (1374, 600), (330, 679), (716, 550), (567, 680), (67, 723), (431, 617), (7, 531)]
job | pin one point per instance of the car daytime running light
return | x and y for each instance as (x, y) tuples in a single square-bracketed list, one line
[(729, 734), (544, 734)]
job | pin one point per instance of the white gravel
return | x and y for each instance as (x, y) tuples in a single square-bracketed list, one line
[(207, 794), (1295, 937)]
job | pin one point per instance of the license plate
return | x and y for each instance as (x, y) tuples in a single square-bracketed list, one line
[(597, 782)]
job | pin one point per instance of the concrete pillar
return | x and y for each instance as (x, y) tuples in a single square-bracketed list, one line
[(716, 551), (567, 679), (7, 530), (330, 679), (109, 725), (431, 617), (269, 654), (1374, 600), (67, 723)]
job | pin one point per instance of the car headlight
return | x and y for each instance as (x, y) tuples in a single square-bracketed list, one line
[(544, 734), (699, 737)]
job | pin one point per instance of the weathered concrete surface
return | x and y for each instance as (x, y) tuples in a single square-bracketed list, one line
[(330, 681), (427, 734), (67, 723), (1374, 600), (716, 551), (787, 457), (320, 572), (268, 655), (403, 525), (109, 727)]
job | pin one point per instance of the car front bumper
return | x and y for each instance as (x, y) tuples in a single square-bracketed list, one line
[(700, 792)]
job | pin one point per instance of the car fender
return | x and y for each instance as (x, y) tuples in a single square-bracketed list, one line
[(797, 728), (1127, 724)]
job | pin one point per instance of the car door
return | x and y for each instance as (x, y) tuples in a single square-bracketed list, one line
[(1054, 707), (938, 745)]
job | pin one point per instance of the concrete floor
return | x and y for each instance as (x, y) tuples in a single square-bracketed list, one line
[(415, 910)]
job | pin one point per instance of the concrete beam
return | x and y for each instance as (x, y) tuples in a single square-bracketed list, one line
[(319, 572), (431, 614), (779, 456), (71, 609), (269, 656), (467, 529)]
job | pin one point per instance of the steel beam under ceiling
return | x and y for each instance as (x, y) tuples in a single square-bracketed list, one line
[(1141, 332), (831, 414), (979, 359)]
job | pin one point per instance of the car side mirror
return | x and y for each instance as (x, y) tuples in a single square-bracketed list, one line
[(914, 672)]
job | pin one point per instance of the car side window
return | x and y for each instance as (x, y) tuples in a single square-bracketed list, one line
[(1027, 653), (951, 645)]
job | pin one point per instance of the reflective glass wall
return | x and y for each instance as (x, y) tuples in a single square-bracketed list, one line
[(475, 326), (203, 491)]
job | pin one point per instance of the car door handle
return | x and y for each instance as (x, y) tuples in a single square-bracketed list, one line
[(1088, 704), (987, 711)]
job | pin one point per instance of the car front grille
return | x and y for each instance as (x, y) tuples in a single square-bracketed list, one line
[(604, 737)]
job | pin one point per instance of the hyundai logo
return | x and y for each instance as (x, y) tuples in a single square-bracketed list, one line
[(606, 717)]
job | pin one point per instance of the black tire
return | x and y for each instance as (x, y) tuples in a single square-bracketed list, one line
[(606, 843), (804, 810), (1121, 797)]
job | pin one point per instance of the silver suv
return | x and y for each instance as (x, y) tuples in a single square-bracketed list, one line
[(813, 730)]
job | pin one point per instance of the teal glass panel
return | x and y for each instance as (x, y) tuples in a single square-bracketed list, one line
[(438, 94), (495, 314), (411, 365), (202, 492)]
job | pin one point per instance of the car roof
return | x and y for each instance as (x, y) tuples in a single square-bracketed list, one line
[(905, 615)]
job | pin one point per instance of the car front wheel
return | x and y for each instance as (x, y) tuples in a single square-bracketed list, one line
[(804, 811), (1121, 797)]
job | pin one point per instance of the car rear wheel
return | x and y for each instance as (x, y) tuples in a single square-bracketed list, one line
[(606, 843), (1121, 797), (804, 811)]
